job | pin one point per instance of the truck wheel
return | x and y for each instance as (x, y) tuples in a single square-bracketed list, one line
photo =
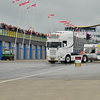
[(84, 59), (91, 60), (12, 58), (67, 59)]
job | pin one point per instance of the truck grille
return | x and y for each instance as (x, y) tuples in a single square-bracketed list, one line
[(52, 52)]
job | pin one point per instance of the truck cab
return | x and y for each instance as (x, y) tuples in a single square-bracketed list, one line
[(59, 46)]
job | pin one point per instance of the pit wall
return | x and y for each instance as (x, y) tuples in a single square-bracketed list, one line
[(35, 51), (37, 48)]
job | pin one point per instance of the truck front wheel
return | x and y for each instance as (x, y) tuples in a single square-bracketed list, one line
[(67, 59), (84, 59)]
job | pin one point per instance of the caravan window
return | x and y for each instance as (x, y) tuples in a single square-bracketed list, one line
[(90, 50)]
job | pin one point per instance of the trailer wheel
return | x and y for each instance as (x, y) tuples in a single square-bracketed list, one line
[(67, 59), (84, 59)]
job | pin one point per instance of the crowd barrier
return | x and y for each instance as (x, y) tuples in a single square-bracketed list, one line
[(21, 35)]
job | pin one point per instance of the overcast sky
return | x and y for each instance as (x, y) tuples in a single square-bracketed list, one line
[(77, 12)]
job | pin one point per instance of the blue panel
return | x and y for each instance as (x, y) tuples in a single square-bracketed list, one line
[(45, 52), (9, 45), (0, 49), (17, 50), (30, 51), (36, 52), (24, 50), (40, 52)]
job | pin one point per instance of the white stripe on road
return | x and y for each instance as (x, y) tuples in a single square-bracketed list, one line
[(31, 75)]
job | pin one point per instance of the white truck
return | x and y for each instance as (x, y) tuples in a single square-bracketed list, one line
[(63, 46)]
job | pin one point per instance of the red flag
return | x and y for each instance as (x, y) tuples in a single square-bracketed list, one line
[(79, 31), (92, 36), (63, 21), (66, 23), (24, 3), (50, 15), (70, 25), (15, 0), (76, 29), (34, 5)]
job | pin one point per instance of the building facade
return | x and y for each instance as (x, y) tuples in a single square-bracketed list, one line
[(37, 48)]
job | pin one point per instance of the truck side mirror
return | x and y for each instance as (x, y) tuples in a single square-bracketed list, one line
[(64, 45)]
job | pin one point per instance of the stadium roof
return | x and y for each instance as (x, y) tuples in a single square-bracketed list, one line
[(87, 26)]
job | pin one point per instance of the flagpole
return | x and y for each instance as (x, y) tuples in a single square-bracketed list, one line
[(25, 28), (31, 30), (17, 30), (52, 23)]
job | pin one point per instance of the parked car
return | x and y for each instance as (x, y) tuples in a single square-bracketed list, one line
[(7, 54)]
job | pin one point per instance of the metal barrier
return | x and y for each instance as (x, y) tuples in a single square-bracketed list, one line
[(20, 35)]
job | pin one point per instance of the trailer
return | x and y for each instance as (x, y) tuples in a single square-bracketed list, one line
[(63, 46), (91, 52)]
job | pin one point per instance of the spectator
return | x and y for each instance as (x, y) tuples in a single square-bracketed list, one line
[(0, 26), (33, 33), (9, 27)]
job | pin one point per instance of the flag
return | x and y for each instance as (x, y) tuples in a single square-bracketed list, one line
[(92, 36), (50, 15), (24, 3), (70, 25), (34, 5), (66, 23), (63, 21), (76, 29), (79, 31), (15, 0)]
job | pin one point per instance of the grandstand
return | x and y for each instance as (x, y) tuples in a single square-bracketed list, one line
[(92, 29)]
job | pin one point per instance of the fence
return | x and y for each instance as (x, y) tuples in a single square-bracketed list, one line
[(20, 35)]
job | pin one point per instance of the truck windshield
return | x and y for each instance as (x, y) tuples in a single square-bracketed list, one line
[(6, 52), (54, 44)]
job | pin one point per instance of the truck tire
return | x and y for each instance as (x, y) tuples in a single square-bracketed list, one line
[(84, 59), (10, 59), (13, 58), (67, 59)]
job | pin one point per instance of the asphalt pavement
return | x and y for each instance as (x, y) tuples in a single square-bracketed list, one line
[(40, 80)]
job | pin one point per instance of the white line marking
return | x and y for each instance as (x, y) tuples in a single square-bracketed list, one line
[(30, 76)]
